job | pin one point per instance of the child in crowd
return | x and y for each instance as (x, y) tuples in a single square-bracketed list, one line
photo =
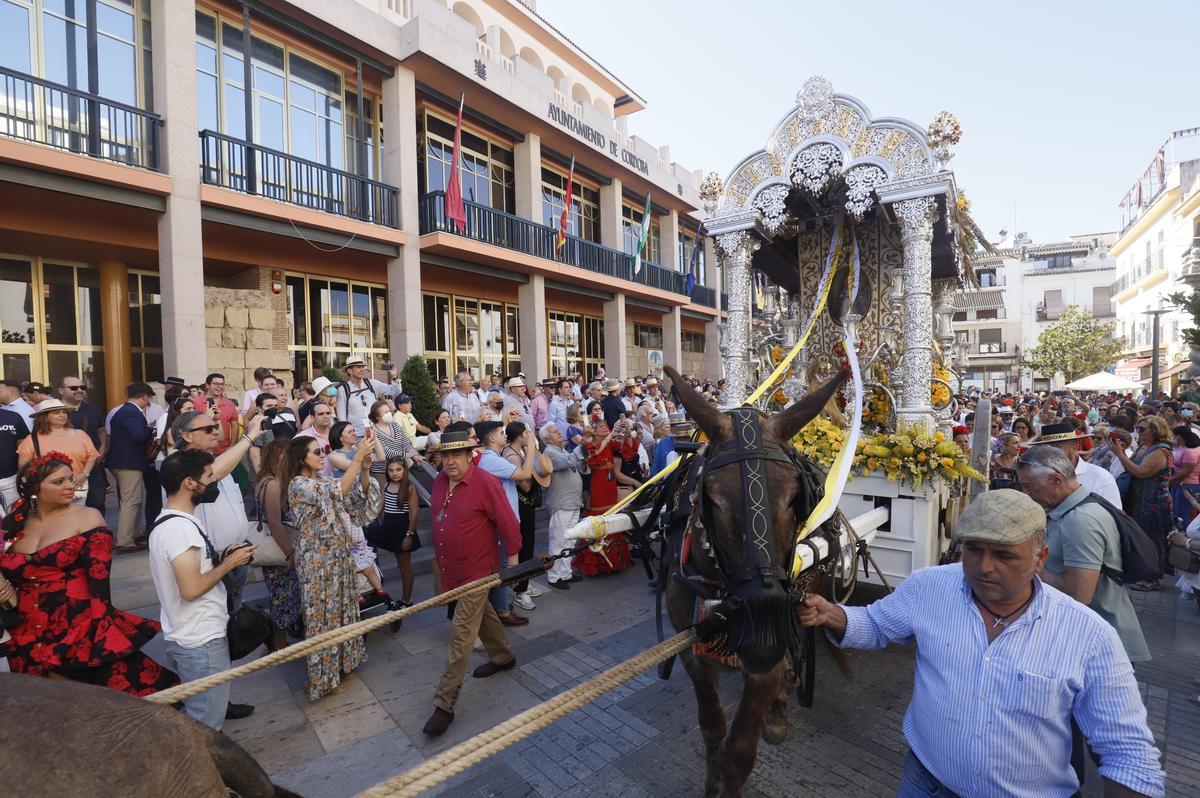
[(396, 528)]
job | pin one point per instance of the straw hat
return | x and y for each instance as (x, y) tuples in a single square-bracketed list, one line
[(612, 386), (49, 406), (1055, 433), (459, 439), (543, 469), (320, 384), (515, 382), (354, 360)]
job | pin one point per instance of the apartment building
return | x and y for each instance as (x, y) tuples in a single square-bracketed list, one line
[(215, 186), (1024, 289), (1160, 224)]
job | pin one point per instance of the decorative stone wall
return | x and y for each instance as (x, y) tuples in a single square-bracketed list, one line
[(246, 327)]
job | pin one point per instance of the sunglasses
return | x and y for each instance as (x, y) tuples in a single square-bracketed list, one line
[(75, 387), (205, 428)]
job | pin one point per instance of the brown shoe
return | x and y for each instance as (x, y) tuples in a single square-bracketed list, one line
[(512, 619), (491, 669), (438, 722)]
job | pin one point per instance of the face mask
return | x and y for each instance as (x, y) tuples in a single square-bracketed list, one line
[(1185, 413), (387, 417), (331, 391), (209, 495)]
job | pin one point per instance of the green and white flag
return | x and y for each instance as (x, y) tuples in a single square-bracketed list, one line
[(643, 237)]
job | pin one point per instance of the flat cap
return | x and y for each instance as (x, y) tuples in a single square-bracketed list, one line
[(1002, 516)]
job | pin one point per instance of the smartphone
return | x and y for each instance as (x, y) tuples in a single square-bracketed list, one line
[(274, 411), (388, 366)]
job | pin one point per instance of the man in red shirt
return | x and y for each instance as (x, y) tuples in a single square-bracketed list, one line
[(471, 515)]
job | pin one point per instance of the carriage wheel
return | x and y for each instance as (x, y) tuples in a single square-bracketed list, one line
[(806, 668)]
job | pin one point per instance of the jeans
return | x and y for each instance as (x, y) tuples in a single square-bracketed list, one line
[(501, 596), (194, 663), (917, 782)]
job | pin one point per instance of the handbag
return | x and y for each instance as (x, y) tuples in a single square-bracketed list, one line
[(258, 532), (1183, 559)]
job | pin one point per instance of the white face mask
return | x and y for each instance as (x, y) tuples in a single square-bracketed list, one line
[(387, 417)]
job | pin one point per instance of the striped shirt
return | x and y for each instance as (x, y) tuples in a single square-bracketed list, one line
[(995, 720)]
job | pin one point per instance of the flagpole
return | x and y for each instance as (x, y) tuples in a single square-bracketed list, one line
[(456, 211)]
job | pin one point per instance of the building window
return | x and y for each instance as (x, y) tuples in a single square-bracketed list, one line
[(50, 320), (985, 315), (486, 168), (990, 342), (584, 219), (959, 315), (631, 231), (372, 128), (298, 102), (468, 334), (1102, 301), (687, 248), (576, 344), (647, 336), (331, 319), (145, 325), (1058, 262), (49, 39), (693, 342), (1052, 305)]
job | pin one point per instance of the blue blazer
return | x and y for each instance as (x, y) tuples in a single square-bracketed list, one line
[(127, 443)]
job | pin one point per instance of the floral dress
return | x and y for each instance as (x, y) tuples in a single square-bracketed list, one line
[(69, 626), (323, 518), (283, 583)]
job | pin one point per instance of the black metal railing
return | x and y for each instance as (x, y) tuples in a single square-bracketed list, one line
[(512, 232), (243, 166), (703, 295), (68, 119)]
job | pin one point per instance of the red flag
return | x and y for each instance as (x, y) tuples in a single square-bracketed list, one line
[(456, 211), (562, 224)]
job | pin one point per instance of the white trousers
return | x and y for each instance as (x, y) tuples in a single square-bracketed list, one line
[(8, 489), (560, 522)]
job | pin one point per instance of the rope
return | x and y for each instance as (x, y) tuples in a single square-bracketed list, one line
[(478, 748), (317, 642)]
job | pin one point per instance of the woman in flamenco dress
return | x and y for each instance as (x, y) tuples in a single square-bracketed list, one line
[(56, 557), (615, 556)]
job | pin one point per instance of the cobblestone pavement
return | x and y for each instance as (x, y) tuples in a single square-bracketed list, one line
[(639, 740)]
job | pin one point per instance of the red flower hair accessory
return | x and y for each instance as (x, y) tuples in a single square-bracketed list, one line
[(49, 457)]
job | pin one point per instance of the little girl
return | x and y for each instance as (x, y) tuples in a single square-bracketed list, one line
[(360, 550), (395, 529)]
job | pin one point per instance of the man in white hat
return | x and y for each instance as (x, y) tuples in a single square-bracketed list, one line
[(1064, 436), (1005, 664), (516, 397), (654, 396), (612, 403), (358, 392)]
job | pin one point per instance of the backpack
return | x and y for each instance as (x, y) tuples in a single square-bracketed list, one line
[(1139, 556)]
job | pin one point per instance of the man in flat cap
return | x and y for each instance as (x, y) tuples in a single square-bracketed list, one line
[(1004, 664)]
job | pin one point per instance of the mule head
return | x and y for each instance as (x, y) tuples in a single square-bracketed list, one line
[(754, 496)]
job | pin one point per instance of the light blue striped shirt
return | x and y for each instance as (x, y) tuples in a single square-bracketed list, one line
[(995, 720)]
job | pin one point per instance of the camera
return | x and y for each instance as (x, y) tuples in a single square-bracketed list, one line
[(271, 413)]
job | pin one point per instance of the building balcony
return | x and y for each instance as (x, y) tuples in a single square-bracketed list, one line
[(991, 349), (252, 169), (1143, 271), (490, 226), (43, 112)]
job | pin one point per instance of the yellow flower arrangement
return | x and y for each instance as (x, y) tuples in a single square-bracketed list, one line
[(820, 440), (940, 393), (912, 455), (879, 407)]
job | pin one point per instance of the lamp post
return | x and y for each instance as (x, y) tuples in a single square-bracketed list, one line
[(1154, 344)]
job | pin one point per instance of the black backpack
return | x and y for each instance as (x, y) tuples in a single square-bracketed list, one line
[(1140, 561)]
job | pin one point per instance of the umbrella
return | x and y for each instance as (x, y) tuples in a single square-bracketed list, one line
[(1103, 381)]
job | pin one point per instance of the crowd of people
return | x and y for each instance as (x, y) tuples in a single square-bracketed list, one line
[(313, 487)]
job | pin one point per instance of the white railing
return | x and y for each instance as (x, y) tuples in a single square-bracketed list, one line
[(510, 66), (483, 49)]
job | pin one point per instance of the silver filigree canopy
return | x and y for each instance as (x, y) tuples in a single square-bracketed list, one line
[(772, 206), (860, 187), (815, 166), (815, 100)]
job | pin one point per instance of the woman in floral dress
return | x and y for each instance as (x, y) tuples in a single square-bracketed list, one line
[(324, 510), (283, 583)]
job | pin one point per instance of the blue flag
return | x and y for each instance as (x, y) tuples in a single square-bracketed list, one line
[(695, 261)]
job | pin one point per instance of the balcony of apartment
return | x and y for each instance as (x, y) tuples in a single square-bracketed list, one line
[(497, 228), (1145, 273), (53, 115), (1190, 271), (239, 165)]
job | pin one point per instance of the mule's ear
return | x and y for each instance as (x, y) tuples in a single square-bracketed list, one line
[(711, 421), (786, 424)]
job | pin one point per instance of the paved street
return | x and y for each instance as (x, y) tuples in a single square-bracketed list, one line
[(640, 740)]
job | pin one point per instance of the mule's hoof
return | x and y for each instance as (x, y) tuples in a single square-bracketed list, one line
[(775, 735)]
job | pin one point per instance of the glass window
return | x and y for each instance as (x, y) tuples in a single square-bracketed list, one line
[(332, 319), (486, 169), (691, 246), (145, 322), (647, 336), (16, 36), (584, 219), (481, 337), (692, 342), (16, 301), (631, 231)]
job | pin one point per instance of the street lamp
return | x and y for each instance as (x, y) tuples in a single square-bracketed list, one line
[(1154, 343)]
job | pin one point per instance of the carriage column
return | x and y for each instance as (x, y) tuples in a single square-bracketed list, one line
[(734, 250), (916, 217)]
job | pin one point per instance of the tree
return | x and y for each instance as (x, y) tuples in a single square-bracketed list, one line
[(1078, 345), (419, 384)]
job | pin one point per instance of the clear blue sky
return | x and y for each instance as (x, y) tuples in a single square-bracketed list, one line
[(1062, 103)]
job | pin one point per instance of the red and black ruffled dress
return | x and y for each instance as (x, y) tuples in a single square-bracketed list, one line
[(68, 625)]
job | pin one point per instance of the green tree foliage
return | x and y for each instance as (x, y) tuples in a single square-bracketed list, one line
[(418, 383), (1078, 345), (1189, 304)]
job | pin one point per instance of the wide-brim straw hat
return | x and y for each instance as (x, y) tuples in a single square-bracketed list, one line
[(515, 382), (612, 385), (545, 466), (1055, 433), (49, 406), (354, 360)]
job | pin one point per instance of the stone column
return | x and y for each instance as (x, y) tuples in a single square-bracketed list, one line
[(114, 322), (180, 242), (672, 330), (616, 338), (404, 327), (533, 336), (712, 350), (610, 214), (735, 251), (527, 174), (916, 364), (669, 238)]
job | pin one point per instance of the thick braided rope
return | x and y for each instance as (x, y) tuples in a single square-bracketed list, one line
[(324, 640), (470, 752)]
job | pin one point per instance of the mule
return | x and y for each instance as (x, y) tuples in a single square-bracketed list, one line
[(64, 739), (751, 496)]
